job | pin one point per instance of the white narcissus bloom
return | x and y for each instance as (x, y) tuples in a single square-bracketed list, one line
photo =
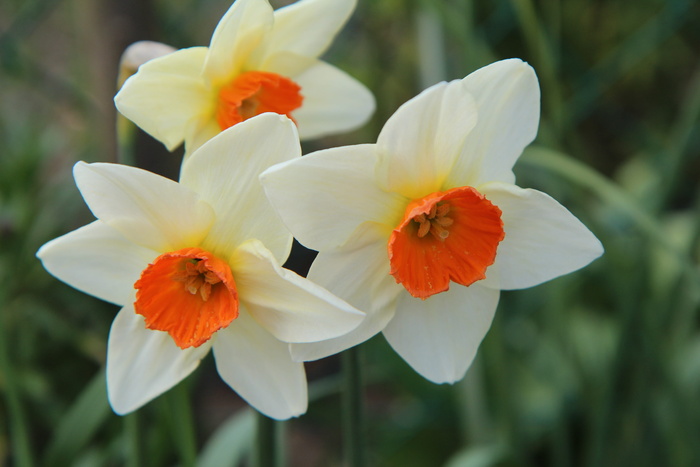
[(259, 60), (195, 266), (424, 228)]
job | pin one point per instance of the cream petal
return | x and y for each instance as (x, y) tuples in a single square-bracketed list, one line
[(308, 27), (150, 210), (168, 97), (286, 64), (142, 364), (507, 96), (200, 134), (137, 54), (240, 31), (439, 336), (323, 197), (421, 141), (543, 239), (334, 102), (97, 260), (224, 172), (259, 368), (358, 273), (289, 307)]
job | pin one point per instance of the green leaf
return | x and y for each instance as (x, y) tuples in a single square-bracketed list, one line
[(230, 443), (80, 423), (478, 456)]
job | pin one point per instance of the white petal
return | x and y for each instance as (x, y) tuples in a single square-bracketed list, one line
[(200, 134), (167, 97), (307, 27), (291, 308), (508, 100), (259, 368), (150, 210), (439, 336), (240, 31), (142, 364), (97, 260), (334, 102), (359, 274), (420, 142), (323, 197), (543, 239), (224, 172)]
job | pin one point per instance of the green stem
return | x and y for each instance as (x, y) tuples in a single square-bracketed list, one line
[(134, 437), (477, 423), (269, 450), (125, 141), (17, 420), (432, 64), (180, 409), (353, 409)]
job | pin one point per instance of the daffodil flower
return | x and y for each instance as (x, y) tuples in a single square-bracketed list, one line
[(258, 61), (195, 266), (424, 228)]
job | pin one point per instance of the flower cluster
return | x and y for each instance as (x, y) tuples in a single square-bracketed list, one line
[(417, 234)]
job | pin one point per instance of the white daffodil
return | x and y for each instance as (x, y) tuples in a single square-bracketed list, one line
[(195, 266), (424, 228), (259, 60)]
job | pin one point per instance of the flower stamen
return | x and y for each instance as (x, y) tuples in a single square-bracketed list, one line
[(197, 278), (435, 222)]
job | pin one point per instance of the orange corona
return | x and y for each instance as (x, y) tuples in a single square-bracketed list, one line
[(255, 92), (188, 293), (445, 236)]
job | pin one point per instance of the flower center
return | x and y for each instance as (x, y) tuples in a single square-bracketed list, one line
[(465, 229), (255, 92), (188, 293), (435, 221)]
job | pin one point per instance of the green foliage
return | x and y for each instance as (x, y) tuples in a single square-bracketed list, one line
[(599, 368)]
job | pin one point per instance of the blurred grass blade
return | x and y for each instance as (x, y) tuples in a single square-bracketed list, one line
[(625, 57), (479, 456), (542, 50), (18, 422), (679, 138), (79, 424), (476, 420), (432, 65), (231, 443), (176, 409), (134, 440)]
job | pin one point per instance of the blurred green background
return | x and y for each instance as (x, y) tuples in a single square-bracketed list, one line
[(598, 368)]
